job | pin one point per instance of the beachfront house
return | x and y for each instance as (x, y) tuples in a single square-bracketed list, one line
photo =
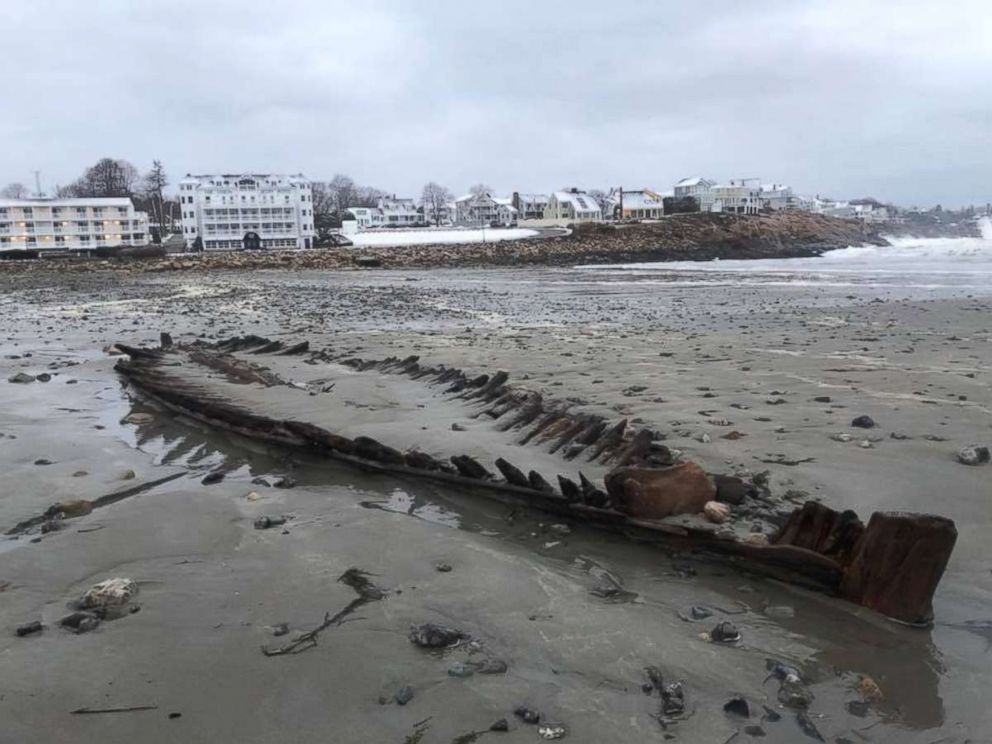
[(572, 206), (778, 197), (643, 204), (397, 212), (870, 211), (738, 196), (366, 217), (530, 206), (701, 189), (506, 213), (485, 209)]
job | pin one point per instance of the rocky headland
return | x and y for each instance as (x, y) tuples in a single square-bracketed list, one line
[(691, 237)]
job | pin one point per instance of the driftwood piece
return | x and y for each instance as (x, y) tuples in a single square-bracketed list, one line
[(119, 709), (367, 592)]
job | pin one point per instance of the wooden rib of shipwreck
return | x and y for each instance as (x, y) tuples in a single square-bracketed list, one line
[(893, 565)]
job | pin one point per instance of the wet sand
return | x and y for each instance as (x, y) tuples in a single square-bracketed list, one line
[(704, 353)]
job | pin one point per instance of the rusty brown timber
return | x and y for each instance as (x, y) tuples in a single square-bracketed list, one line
[(815, 546)]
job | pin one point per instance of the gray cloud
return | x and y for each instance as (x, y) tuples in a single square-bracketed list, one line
[(844, 97)]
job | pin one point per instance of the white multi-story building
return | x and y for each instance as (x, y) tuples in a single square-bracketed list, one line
[(232, 211), (83, 224)]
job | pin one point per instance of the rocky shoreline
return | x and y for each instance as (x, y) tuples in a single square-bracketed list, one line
[(691, 237)]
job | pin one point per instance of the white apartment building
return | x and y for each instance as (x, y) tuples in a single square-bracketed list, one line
[(700, 188), (84, 224), (231, 211)]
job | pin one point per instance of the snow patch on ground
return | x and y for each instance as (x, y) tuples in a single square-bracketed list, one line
[(423, 237)]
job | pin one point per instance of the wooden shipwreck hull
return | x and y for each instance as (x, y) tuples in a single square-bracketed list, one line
[(369, 414)]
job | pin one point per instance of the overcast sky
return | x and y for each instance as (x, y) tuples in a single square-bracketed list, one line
[(844, 98)]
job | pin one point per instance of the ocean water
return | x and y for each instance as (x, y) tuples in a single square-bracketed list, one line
[(962, 264)]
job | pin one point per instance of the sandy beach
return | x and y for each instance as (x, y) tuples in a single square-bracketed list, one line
[(786, 354)]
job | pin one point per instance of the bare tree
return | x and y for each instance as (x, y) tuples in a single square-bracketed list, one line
[(368, 196), (343, 192), (108, 177), (434, 200), (479, 189), (14, 191), (602, 199), (325, 213)]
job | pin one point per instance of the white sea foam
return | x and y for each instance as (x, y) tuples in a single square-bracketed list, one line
[(917, 262)]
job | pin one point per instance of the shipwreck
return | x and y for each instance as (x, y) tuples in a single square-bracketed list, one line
[(504, 441)]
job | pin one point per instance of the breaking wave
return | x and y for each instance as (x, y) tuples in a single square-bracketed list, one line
[(945, 261)]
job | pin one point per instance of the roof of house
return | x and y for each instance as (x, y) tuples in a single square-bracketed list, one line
[(393, 204), (291, 178), (694, 181), (95, 201), (470, 197), (580, 200)]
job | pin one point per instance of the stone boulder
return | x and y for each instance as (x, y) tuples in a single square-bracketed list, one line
[(114, 592), (973, 455), (731, 490), (653, 493)]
